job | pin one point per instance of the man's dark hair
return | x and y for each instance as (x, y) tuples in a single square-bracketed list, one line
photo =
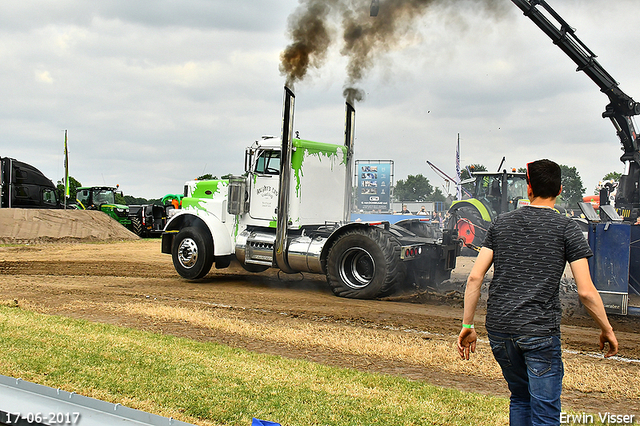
[(545, 178)]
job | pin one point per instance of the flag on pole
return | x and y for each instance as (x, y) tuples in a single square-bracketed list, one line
[(458, 186), (66, 167)]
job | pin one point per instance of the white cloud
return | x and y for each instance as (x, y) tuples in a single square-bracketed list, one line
[(44, 77)]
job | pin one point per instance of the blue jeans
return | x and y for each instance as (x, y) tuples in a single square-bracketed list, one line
[(533, 369)]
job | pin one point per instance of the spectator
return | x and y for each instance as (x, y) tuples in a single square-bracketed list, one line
[(529, 248)]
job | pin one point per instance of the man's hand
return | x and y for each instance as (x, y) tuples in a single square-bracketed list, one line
[(609, 337), (467, 342), (592, 302)]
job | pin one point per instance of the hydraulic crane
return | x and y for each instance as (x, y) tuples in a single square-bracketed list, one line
[(621, 107)]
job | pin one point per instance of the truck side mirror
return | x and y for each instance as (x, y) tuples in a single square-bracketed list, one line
[(248, 160)]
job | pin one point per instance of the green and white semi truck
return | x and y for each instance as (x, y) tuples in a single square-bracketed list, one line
[(290, 210)]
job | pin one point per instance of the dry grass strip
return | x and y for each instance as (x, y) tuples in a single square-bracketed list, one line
[(609, 379)]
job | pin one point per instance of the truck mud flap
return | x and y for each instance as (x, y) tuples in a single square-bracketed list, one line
[(167, 241)]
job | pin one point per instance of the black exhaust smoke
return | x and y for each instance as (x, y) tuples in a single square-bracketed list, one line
[(366, 34)]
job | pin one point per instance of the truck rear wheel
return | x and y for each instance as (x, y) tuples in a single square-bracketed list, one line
[(364, 263), (192, 253)]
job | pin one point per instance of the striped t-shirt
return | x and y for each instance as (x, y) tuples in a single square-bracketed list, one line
[(531, 246)]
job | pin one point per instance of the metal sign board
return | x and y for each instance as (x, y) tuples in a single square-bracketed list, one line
[(375, 178)]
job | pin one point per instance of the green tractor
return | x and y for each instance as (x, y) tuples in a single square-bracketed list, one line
[(487, 195), (145, 220), (103, 198)]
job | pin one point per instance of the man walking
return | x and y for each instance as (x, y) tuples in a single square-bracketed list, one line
[(529, 248)]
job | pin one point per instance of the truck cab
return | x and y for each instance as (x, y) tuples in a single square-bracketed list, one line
[(24, 186), (243, 209)]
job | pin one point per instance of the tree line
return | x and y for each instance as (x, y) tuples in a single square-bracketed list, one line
[(413, 188), (418, 187)]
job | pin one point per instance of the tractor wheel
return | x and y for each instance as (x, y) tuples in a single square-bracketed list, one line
[(192, 253), (364, 263), (136, 226), (472, 229)]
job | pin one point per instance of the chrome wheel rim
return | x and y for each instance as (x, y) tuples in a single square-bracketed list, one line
[(188, 253), (357, 268)]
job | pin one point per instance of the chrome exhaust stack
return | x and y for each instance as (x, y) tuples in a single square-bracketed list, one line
[(282, 224), (349, 137)]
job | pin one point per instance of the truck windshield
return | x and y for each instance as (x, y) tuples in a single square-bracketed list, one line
[(268, 162)]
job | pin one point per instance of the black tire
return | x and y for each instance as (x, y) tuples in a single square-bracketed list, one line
[(136, 226), (192, 253), (364, 263)]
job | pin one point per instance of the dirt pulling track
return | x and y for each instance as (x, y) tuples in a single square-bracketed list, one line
[(130, 283)]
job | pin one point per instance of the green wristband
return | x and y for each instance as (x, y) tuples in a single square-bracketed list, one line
[(467, 326)]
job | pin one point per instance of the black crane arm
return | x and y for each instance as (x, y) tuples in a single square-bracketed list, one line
[(621, 107)]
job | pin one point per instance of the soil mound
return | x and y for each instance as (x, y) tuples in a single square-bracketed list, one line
[(40, 225)]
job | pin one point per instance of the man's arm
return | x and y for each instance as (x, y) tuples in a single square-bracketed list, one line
[(467, 338), (592, 301)]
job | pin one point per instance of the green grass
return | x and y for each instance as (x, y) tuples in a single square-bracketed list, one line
[(207, 383)]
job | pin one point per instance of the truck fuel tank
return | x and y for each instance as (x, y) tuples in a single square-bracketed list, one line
[(305, 252)]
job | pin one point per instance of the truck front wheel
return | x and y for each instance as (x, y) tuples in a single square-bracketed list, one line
[(364, 263), (192, 253)]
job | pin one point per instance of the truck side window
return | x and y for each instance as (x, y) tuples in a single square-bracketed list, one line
[(49, 196), (268, 163)]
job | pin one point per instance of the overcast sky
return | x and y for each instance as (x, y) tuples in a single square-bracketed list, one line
[(154, 93)]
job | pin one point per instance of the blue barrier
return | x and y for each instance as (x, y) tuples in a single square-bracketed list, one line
[(391, 218), (258, 422), (614, 267)]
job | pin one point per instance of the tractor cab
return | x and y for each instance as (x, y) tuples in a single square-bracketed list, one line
[(103, 198), (91, 198), (498, 192)]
